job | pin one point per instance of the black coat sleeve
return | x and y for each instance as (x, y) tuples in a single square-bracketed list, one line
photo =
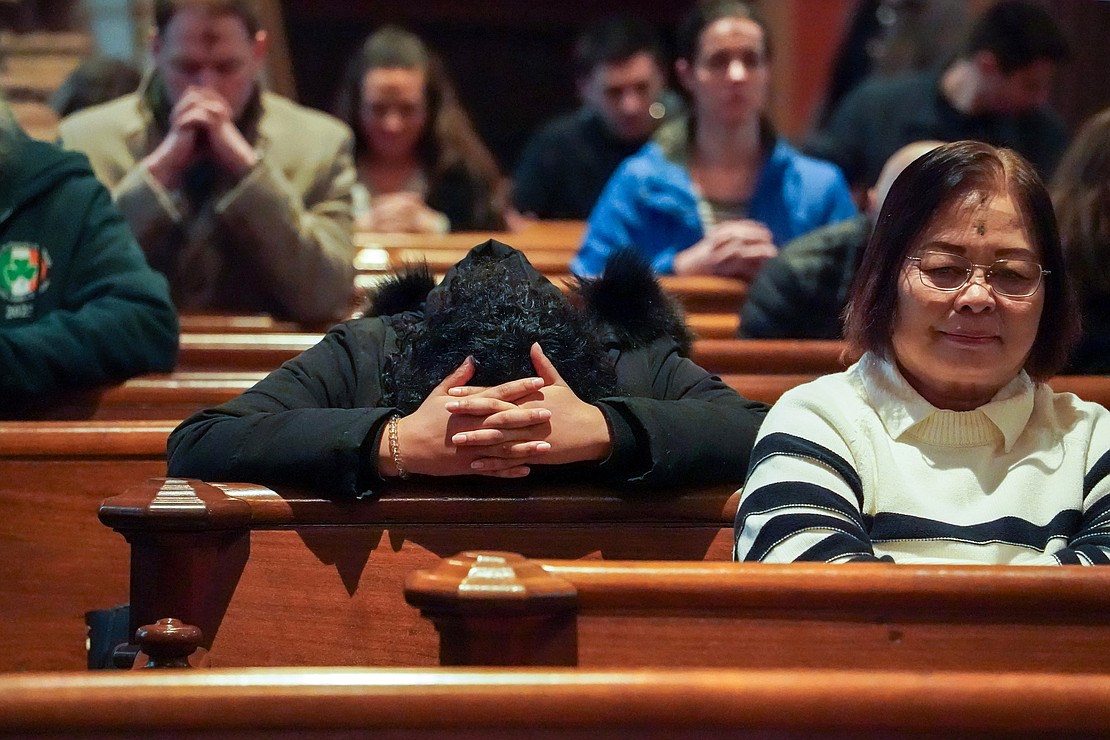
[(678, 425), (306, 424)]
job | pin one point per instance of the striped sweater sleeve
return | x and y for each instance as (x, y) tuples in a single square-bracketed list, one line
[(1091, 544), (803, 497)]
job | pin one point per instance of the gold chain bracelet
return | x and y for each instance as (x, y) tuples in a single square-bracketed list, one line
[(395, 448)]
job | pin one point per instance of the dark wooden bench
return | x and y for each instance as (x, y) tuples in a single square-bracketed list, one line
[(536, 236), (444, 704), (58, 561), (287, 578), (266, 351), (695, 293), (177, 395), (502, 609)]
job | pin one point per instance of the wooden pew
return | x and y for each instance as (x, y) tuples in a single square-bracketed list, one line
[(57, 560), (553, 704), (172, 396), (548, 245), (502, 609), (177, 395), (264, 352), (240, 352), (695, 293), (283, 577), (554, 235), (200, 323)]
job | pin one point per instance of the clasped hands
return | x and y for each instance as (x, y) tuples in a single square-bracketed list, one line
[(202, 126), (499, 431), (731, 248), (403, 212)]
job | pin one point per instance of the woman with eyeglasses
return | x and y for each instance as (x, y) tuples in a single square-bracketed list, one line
[(719, 191), (942, 443)]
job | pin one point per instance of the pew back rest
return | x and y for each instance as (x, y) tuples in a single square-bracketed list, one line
[(501, 609)]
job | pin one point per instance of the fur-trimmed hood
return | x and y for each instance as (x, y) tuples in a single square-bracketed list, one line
[(626, 307), (493, 306)]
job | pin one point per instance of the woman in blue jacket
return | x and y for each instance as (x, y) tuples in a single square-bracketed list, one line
[(716, 192)]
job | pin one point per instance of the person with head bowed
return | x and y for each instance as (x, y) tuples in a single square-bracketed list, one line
[(943, 443), (493, 372), (422, 167), (1081, 194), (241, 197), (718, 191)]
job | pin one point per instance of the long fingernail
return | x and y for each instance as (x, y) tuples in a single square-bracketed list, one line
[(452, 405), (543, 447), (477, 465), (459, 438)]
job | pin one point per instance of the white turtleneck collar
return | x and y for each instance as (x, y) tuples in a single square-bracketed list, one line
[(903, 410)]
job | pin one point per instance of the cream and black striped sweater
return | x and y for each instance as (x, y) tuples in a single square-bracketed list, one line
[(858, 466)]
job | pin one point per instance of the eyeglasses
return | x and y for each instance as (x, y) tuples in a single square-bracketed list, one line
[(949, 272)]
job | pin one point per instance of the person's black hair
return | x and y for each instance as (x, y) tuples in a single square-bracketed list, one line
[(490, 313), (613, 39), (1018, 34), (925, 189)]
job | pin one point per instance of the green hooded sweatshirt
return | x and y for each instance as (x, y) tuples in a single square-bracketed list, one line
[(79, 306)]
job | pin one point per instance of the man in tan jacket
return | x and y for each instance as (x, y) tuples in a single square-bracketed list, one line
[(241, 197)]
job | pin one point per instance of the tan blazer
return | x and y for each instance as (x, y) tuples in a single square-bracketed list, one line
[(277, 241)]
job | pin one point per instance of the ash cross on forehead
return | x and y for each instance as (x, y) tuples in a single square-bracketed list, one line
[(980, 227)]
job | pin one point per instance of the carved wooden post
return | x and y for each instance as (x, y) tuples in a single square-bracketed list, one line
[(168, 643), (497, 608), (189, 543)]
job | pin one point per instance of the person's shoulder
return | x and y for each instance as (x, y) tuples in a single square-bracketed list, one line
[(649, 163), (881, 89), (830, 243), (111, 119), (45, 170), (837, 399), (1045, 121), (809, 169), (1069, 414), (563, 127), (301, 124)]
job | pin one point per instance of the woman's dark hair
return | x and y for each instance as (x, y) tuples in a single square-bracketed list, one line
[(449, 139), (704, 14), (927, 187), (1081, 194)]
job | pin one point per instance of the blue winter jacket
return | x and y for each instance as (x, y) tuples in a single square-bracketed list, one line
[(650, 204)]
